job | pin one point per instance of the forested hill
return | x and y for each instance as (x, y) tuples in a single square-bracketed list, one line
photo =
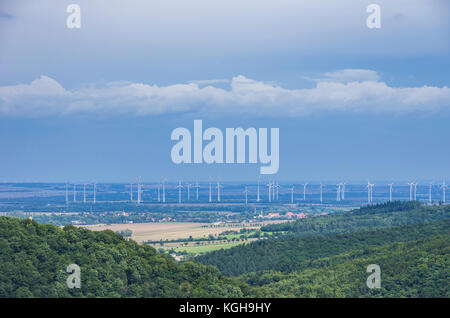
[(418, 268), (324, 256), (315, 237), (365, 218), (34, 258), (284, 254)]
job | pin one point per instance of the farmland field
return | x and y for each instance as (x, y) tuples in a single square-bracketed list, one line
[(172, 230)]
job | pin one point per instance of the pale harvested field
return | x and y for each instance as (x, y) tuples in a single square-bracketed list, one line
[(170, 230)]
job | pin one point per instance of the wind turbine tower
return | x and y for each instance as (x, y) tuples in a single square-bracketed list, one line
[(273, 190), (369, 192), (304, 191), (430, 185), (159, 192), (269, 185), (218, 190), (131, 192), (390, 191), (444, 187), (343, 190), (292, 195), (139, 191), (189, 191), (321, 193), (338, 192), (74, 193), (411, 184), (95, 192), (246, 195), (84, 193), (277, 187), (210, 198), (179, 186), (164, 191), (67, 194), (257, 195), (415, 191), (196, 188)]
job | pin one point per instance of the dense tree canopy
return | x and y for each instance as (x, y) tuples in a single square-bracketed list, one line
[(34, 258), (328, 256), (284, 254), (366, 218), (417, 268)]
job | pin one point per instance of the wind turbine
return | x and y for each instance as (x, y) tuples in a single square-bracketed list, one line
[(292, 195), (74, 193), (369, 191), (390, 191), (139, 191), (189, 191), (343, 190), (218, 190), (246, 195), (273, 190), (430, 185), (67, 194), (159, 192), (304, 191), (321, 193), (95, 192), (210, 198), (179, 186), (131, 192), (164, 190), (444, 187), (415, 190), (338, 191), (411, 185), (277, 187), (84, 193), (196, 188), (269, 185), (257, 196)]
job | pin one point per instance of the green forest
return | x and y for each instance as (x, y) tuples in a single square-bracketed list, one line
[(34, 258), (325, 256), (286, 253), (328, 256)]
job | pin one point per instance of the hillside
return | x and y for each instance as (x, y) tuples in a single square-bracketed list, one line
[(284, 254), (34, 258), (318, 257), (417, 268), (315, 238), (371, 217)]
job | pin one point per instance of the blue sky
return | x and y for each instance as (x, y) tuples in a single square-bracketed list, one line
[(99, 102)]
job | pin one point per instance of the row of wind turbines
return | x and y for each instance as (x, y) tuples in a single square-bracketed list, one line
[(273, 189)]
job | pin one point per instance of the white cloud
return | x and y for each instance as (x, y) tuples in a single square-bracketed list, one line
[(340, 91)]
